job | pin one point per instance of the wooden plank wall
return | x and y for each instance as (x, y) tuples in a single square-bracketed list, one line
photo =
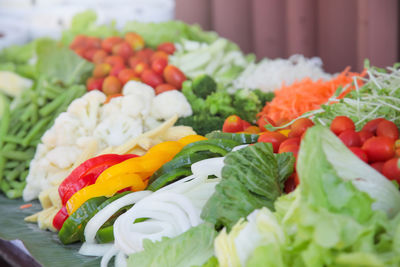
[(341, 32)]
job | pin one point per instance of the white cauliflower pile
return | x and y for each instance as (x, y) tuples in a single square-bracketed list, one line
[(89, 121), (269, 75)]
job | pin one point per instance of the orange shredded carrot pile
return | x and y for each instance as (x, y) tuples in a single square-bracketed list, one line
[(292, 101), (25, 206)]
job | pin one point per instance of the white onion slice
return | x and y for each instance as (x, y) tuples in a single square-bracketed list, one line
[(88, 249), (103, 215), (107, 256)]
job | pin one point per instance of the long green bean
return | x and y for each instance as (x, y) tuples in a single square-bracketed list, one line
[(52, 106), (37, 129)]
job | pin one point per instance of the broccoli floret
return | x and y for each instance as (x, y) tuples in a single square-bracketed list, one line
[(203, 85), (247, 104), (264, 97), (198, 104), (202, 123), (220, 103)]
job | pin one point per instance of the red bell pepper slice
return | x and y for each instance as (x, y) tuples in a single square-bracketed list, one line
[(87, 173), (82, 176)]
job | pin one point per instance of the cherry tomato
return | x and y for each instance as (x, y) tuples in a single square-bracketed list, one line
[(89, 53), (391, 169), (372, 125), (78, 42), (108, 99), (140, 68), (341, 124), (350, 138), (123, 50), (126, 75), (174, 76), (93, 42), (245, 124), (151, 78), (365, 135), (378, 166), (135, 40), (290, 148), (290, 141), (252, 129), (232, 124), (167, 47), (263, 121), (388, 129), (291, 183), (274, 138), (379, 148), (145, 54), (163, 88), (158, 65), (116, 69), (94, 83), (359, 153), (159, 54), (300, 126), (114, 60), (108, 43), (99, 56), (112, 85), (101, 70)]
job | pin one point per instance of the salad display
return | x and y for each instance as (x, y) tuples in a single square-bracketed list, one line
[(160, 144)]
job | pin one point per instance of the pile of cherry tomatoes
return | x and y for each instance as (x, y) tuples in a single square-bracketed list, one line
[(119, 60), (377, 143)]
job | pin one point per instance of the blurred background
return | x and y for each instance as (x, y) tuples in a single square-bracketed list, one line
[(341, 32)]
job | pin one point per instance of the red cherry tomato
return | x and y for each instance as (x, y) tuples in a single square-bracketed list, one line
[(151, 78), (263, 121), (391, 169), (341, 124), (379, 148), (300, 126), (372, 125), (290, 148), (274, 138), (359, 153), (245, 124), (291, 183), (388, 129), (232, 124), (350, 138), (378, 166), (167, 47), (163, 88), (174, 76), (290, 141), (158, 65), (365, 135), (116, 69)]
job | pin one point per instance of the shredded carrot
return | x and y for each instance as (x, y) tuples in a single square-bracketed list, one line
[(292, 101), (25, 206)]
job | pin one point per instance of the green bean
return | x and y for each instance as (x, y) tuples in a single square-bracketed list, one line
[(12, 175), (53, 105), (12, 164), (35, 114), (26, 115), (17, 185), (2, 165), (5, 121), (24, 174), (17, 155), (24, 130), (9, 147), (36, 130), (14, 193), (13, 139), (4, 186)]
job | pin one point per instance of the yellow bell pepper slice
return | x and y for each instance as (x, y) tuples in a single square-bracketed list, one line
[(107, 188), (191, 139)]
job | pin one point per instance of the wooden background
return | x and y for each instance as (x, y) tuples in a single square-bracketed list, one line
[(341, 32)]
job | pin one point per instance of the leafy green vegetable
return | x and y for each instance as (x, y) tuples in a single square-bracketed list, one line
[(193, 247), (202, 123), (44, 246), (378, 97), (251, 179), (336, 217), (60, 64)]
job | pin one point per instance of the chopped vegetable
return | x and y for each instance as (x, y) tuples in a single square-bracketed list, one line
[(292, 101)]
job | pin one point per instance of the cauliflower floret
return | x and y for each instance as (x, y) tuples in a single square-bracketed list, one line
[(117, 129), (63, 132), (142, 93), (63, 156), (170, 103)]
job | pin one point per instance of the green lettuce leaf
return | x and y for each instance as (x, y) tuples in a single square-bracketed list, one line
[(191, 248), (59, 64), (251, 179)]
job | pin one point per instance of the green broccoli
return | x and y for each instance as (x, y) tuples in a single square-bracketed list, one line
[(198, 104), (202, 123), (220, 103), (264, 97), (248, 103), (203, 86)]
